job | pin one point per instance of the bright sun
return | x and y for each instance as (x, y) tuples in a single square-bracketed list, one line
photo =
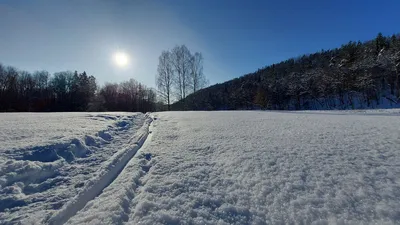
[(121, 59)]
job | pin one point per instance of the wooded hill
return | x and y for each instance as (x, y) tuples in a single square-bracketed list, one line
[(356, 75)]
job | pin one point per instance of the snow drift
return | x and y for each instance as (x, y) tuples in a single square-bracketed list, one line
[(47, 159)]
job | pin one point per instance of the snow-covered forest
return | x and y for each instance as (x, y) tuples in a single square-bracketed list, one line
[(356, 75)]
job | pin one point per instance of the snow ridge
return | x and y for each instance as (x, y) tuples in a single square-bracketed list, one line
[(94, 188), (116, 202), (46, 159)]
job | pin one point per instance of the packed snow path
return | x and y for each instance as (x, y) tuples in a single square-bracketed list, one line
[(258, 168), (96, 186), (51, 164)]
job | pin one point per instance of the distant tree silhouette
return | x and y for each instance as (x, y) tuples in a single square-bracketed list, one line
[(181, 57), (69, 91), (128, 96), (165, 77)]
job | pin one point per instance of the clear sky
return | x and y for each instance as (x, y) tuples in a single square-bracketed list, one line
[(235, 36)]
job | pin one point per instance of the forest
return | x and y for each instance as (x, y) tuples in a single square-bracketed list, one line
[(21, 91), (356, 75)]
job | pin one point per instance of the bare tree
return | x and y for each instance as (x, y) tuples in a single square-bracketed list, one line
[(181, 61), (164, 78), (41, 80), (197, 78), (109, 92), (3, 79), (179, 74), (128, 92)]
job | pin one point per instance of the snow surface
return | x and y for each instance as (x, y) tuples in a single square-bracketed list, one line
[(47, 159), (24, 130), (248, 167), (259, 168)]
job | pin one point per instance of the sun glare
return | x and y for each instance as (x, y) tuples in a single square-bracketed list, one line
[(121, 59)]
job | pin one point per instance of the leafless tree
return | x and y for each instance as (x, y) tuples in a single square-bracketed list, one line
[(181, 56), (179, 74), (164, 78), (197, 78), (3, 79)]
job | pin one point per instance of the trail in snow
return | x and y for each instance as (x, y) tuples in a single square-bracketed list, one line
[(262, 168), (98, 184), (49, 158), (116, 199), (251, 167)]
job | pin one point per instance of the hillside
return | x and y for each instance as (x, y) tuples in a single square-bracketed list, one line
[(355, 76)]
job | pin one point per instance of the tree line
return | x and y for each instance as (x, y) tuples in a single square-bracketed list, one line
[(130, 96), (179, 73), (21, 91), (356, 75)]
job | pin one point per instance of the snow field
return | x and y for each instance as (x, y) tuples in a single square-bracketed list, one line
[(242, 167), (270, 168), (28, 130), (72, 150)]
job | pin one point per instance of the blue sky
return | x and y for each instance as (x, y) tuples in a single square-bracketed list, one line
[(235, 37)]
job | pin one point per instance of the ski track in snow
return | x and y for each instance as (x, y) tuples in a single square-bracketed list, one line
[(117, 199), (98, 184), (259, 168), (252, 167), (72, 151)]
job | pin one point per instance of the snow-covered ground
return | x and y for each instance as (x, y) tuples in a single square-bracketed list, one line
[(259, 168), (249, 167), (47, 159)]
